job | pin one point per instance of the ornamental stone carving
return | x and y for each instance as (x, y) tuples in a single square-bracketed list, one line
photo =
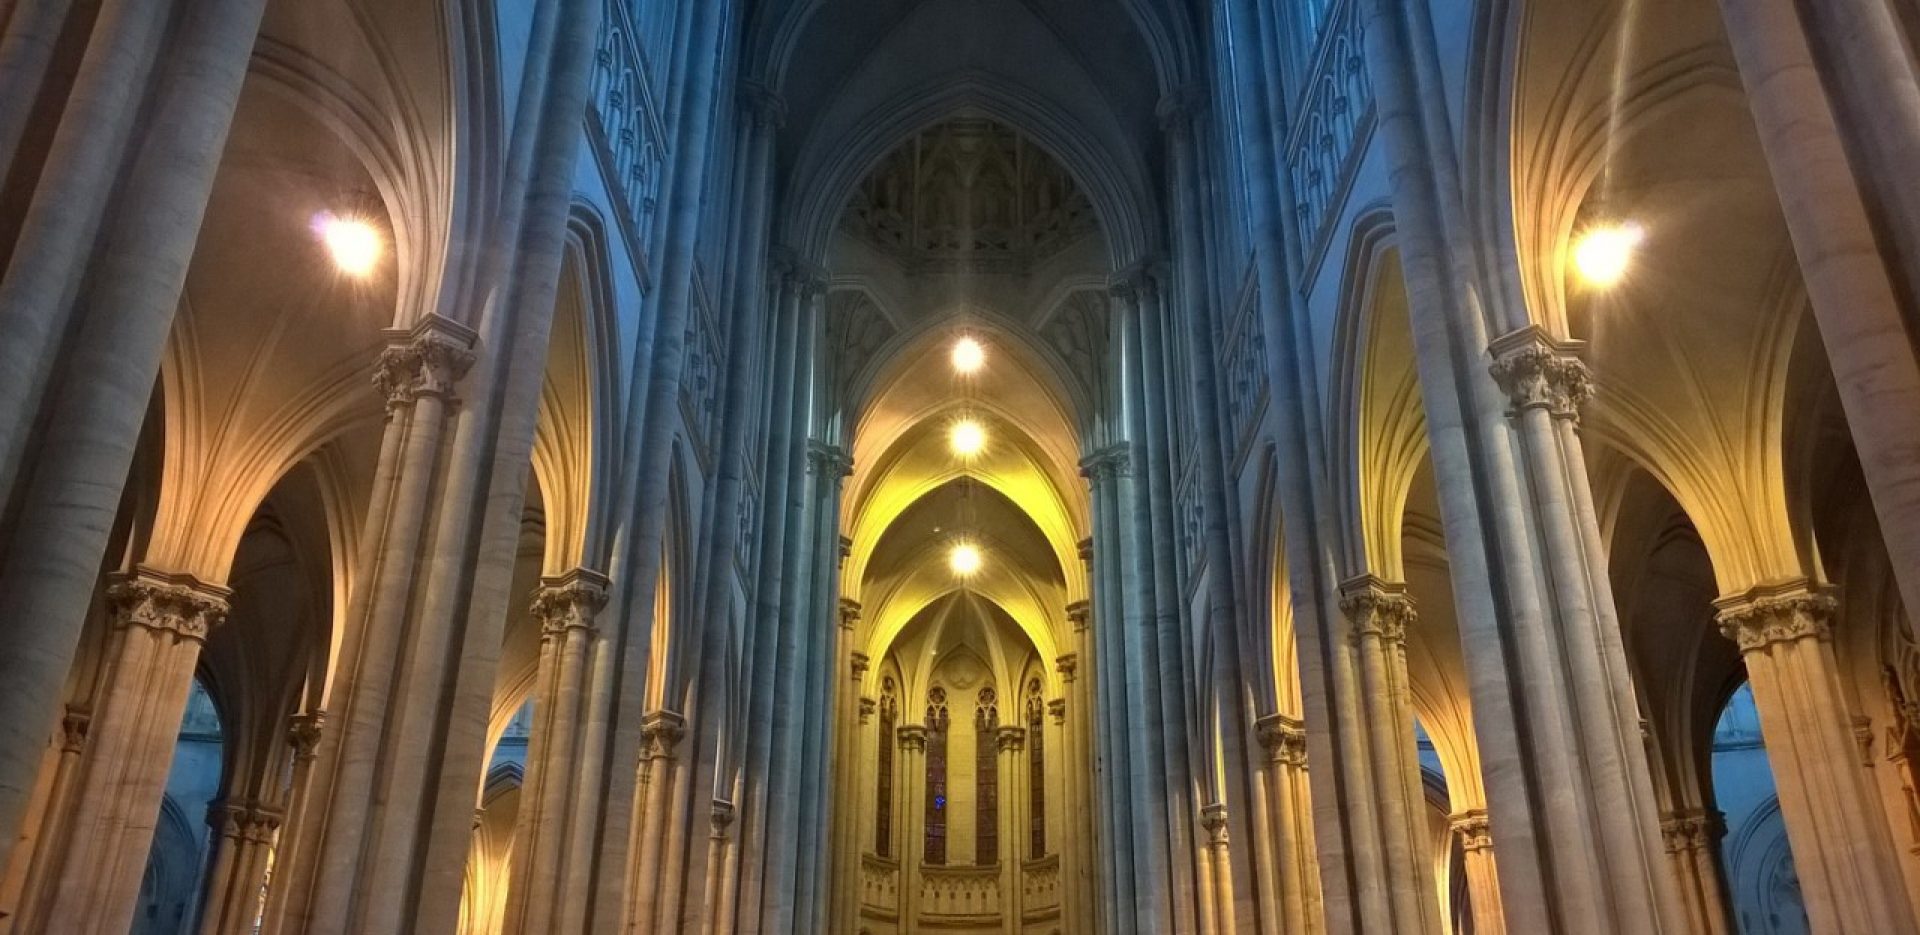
[(428, 360), (1689, 830), (1213, 817), (827, 460), (303, 733), (570, 602), (1058, 709), (867, 707), (913, 738), (860, 664), (1473, 830), (1770, 615), (1007, 739), (660, 733), (73, 729), (1067, 665), (1377, 608), (1080, 614), (1284, 738), (180, 605), (849, 613), (1538, 372), (721, 817), (1106, 464), (247, 822)]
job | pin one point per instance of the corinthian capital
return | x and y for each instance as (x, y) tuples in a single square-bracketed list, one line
[(1377, 608), (1284, 738), (1473, 829), (427, 360), (1769, 615), (570, 602), (1538, 372), (303, 733), (179, 604)]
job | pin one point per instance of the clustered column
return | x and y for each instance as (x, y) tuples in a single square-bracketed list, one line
[(1843, 850), (245, 834), (160, 622), (1483, 882), (1285, 781), (1692, 837), (912, 783), (1009, 742)]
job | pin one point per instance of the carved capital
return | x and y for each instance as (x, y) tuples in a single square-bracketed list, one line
[(828, 460), (913, 737), (1067, 665), (1284, 738), (1080, 614), (867, 707), (849, 613), (303, 733), (1107, 463), (73, 729), (721, 817), (660, 733), (859, 665), (1179, 108), (247, 821), (1689, 830), (427, 360), (1377, 608), (1057, 708), (570, 602), (1538, 372), (1214, 818), (177, 604), (1473, 829), (1770, 615), (1009, 739)]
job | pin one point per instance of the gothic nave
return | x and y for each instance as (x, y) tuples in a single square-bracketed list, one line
[(1036, 467)]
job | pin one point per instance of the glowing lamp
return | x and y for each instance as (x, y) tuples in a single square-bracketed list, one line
[(1603, 253), (968, 355), (964, 559), (967, 438), (353, 243)]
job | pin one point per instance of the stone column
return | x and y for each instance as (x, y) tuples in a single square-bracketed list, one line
[(1075, 844), (93, 408), (851, 718), (829, 652), (566, 607), (160, 623), (244, 836), (1213, 819), (304, 731), (55, 826), (1285, 741), (1379, 613), (1842, 848), (1855, 300), (1014, 810), (1107, 752), (660, 735), (912, 783), (720, 914), (1692, 836), (1483, 881)]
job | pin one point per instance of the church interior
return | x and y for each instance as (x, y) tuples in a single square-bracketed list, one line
[(1036, 467)]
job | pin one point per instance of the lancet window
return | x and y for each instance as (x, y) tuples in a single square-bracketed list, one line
[(937, 722), (1036, 769), (986, 779), (889, 711)]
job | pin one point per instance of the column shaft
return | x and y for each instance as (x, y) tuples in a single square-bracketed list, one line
[(1483, 883), (1842, 848), (68, 501)]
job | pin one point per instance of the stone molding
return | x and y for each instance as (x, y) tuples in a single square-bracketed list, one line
[(429, 359), (1107, 463), (867, 708), (1284, 738), (1058, 708), (1067, 665), (721, 817), (304, 731), (860, 664), (1473, 829), (179, 604), (660, 733), (849, 613), (1538, 372), (1377, 608), (570, 601), (1006, 739), (913, 737), (1769, 615)]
